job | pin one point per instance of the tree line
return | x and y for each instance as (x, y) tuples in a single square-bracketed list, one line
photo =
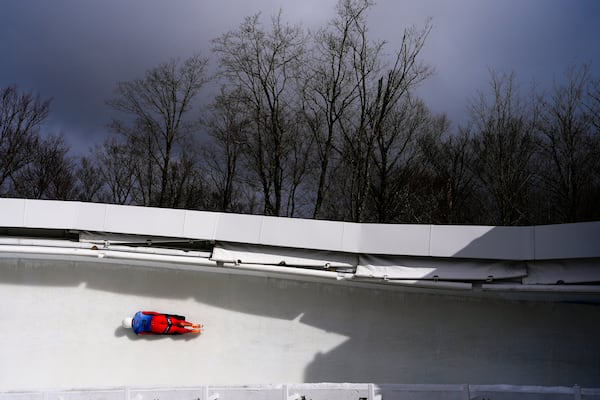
[(322, 125)]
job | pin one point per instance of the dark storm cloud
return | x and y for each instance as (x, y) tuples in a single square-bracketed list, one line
[(537, 39), (75, 51)]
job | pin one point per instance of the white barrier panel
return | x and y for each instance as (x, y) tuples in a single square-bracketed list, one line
[(567, 240), (319, 391), (200, 393), (580, 240), (487, 242), (252, 254), (395, 267), (551, 272)]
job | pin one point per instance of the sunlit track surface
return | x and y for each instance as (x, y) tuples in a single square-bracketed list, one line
[(61, 328)]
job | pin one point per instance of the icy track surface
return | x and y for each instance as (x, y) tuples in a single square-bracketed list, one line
[(61, 328)]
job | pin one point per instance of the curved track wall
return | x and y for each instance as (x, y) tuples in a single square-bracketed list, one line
[(61, 328), (61, 311)]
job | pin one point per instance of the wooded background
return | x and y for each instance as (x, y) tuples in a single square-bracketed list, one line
[(326, 125)]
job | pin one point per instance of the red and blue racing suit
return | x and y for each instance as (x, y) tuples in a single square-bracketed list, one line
[(150, 322)]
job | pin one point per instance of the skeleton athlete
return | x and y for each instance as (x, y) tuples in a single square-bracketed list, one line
[(150, 322)]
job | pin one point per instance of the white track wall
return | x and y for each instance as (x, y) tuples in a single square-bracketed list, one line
[(61, 328), (61, 314), (509, 243)]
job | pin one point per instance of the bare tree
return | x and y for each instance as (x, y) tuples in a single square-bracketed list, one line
[(331, 89), (395, 118), (569, 146), (21, 115), (261, 66), (187, 187), (504, 146), (229, 128), (593, 103), (90, 182), (117, 171), (448, 157), (396, 159), (380, 88), (50, 173), (161, 128), (358, 139)]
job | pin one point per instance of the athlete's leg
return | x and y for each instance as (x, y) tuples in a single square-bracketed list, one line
[(176, 327), (179, 317), (159, 325), (178, 330), (180, 322)]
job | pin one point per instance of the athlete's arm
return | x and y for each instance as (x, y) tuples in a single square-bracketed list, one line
[(151, 313)]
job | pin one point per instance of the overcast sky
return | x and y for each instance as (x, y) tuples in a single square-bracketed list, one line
[(74, 51)]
